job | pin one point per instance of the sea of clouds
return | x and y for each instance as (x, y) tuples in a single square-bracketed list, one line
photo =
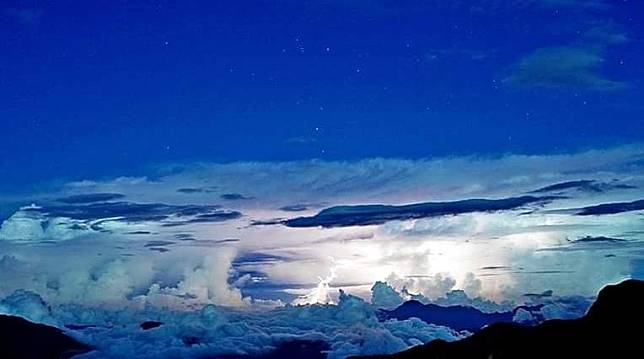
[(183, 247)]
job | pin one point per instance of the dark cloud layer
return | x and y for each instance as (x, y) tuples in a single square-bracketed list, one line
[(128, 211), (158, 244), (214, 217), (91, 216), (257, 258), (612, 208), (590, 239), (234, 197), (299, 207), (294, 208), (192, 190), (362, 215), (583, 185), (90, 198)]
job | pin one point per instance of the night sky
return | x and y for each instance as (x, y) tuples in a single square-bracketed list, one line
[(109, 87)]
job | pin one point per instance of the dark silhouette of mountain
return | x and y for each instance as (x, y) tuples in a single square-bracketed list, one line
[(363, 215), (456, 317), (610, 329), (20, 338)]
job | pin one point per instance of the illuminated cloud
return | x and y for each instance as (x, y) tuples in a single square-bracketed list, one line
[(151, 240), (223, 283)]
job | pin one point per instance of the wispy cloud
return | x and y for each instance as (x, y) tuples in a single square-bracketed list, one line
[(563, 67), (577, 65)]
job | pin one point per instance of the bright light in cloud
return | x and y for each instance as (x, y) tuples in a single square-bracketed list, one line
[(320, 294)]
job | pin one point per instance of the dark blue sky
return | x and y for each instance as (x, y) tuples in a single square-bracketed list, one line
[(107, 88)]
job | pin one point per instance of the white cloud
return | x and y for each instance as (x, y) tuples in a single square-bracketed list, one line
[(28, 305), (29, 223), (385, 296), (274, 184), (350, 327), (24, 225), (430, 256), (205, 283)]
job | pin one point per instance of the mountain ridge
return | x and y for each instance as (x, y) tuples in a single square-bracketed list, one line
[(610, 329)]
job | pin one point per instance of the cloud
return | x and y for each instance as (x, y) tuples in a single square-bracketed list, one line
[(563, 67), (611, 208), (350, 328), (299, 207), (90, 198), (451, 308), (583, 185), (257, 258), (370, 180), (159, 249), (28, 305), (604, 34), (363, 215), (294, 208), (431, 287), (158, 243), (25, 224), (84, 216), (128, 211), (590, 239), (190, 288), (189, 190), (234, 197), (214, 217), (206, 283), (385, 296), (574, 65), (30, 223), (109, 284), (280, 262)]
